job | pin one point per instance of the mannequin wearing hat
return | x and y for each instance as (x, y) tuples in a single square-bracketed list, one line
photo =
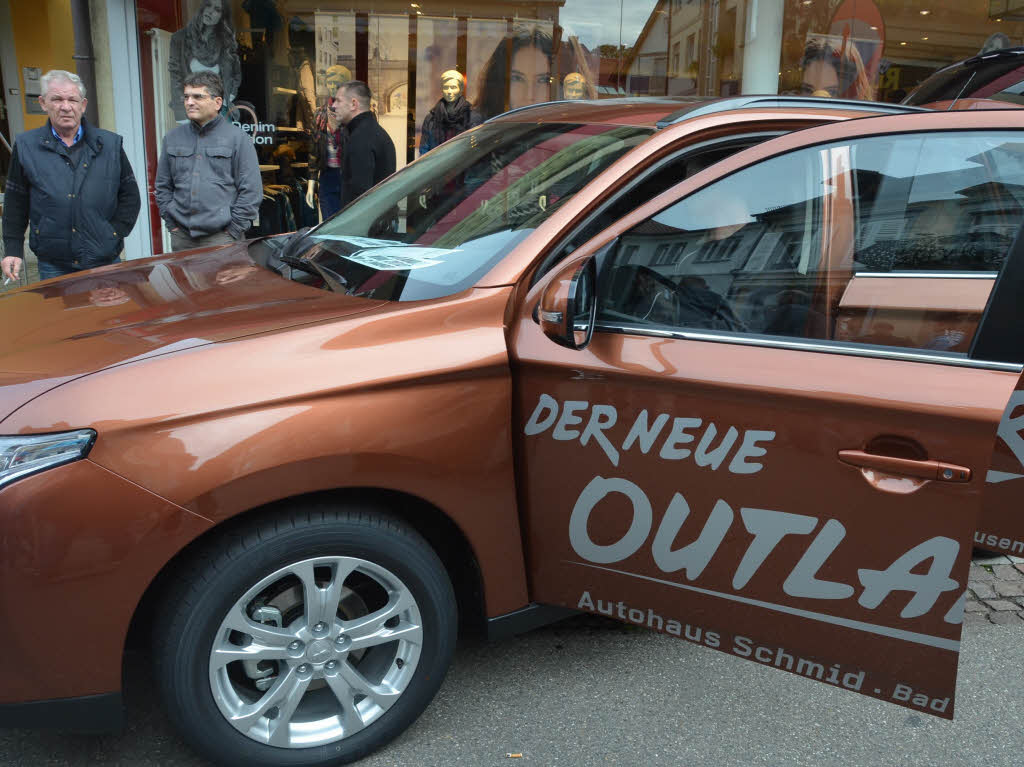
[(451, 115)]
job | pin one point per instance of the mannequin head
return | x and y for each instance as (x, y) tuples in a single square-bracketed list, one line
[(335, 77), (453, 85), (574, 86)]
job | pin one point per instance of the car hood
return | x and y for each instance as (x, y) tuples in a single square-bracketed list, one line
[(61, 329)]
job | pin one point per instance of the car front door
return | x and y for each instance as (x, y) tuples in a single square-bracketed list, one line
[(776, 442)]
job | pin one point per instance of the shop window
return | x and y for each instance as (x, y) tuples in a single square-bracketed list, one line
[(283, 62)]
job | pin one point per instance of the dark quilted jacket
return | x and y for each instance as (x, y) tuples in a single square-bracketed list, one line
[(79, 215)]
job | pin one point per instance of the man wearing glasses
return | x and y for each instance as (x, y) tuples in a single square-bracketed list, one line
[(71, 184), (208, 184)]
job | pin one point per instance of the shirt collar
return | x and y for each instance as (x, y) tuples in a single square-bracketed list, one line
[(78, 135), (203, 129)]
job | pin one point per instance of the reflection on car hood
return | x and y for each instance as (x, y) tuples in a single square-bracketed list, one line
[(61, 329)]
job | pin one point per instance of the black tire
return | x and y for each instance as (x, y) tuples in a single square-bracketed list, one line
[(224, 572)]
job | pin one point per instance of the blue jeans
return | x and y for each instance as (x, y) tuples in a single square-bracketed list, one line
[(330, 192), (48, 271)]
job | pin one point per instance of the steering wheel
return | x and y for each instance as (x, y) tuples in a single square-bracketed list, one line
[(690, 305), (640, 292)]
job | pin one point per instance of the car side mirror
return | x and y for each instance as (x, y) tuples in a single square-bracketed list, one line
[(568, 305)]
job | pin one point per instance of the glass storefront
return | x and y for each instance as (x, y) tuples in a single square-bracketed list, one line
[(282, 60)]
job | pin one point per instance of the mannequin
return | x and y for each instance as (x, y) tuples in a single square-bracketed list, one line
[(451, 115), (328, 154), (574, 86)]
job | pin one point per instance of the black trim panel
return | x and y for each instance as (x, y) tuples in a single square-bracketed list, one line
[(88, 714), (527, 619), (1000, 335)]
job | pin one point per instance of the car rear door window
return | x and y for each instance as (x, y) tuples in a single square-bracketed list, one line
[(879, 243)]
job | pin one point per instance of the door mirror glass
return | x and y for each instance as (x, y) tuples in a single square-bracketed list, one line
[(568, 307)]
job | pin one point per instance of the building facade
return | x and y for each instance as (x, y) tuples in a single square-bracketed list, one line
[(282, 60)]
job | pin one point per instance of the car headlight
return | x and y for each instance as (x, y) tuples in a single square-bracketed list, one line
[(32, 453)]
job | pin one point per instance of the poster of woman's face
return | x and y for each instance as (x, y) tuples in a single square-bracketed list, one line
[(206, 43), (522, 62)]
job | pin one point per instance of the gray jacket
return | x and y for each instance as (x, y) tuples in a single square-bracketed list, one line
[(208, 179)]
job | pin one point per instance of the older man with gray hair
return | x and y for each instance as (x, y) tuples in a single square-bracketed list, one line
[(72, 184)]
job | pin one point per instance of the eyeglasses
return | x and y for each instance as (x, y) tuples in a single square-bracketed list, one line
[(195, 97)]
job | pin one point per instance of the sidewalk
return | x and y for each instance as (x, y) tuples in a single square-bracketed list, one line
[(995, 590)]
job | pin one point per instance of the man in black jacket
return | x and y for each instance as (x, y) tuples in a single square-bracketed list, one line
[(369, 153), (72, 184)]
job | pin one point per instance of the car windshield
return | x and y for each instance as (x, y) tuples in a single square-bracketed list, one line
[(438, 225)]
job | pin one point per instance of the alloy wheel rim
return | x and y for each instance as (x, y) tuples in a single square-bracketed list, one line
[(315, 652)]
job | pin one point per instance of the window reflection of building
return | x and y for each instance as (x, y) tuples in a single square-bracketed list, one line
[(898, 42), (710, 32), (388, 72), (924, 209)]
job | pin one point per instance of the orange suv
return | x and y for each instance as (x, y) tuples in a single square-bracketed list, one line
[(745, 372)]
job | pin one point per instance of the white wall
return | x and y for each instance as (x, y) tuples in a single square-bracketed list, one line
[(126, 85)]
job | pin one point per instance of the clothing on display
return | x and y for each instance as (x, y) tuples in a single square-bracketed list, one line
[(326, 160)]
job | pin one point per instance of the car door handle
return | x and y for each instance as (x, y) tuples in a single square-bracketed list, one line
[(945, 472)]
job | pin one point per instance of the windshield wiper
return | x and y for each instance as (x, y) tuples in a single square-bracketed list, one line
[(281, 252), (299, 263)]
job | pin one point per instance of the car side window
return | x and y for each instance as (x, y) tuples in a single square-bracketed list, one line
[(659, 179), (890, 241)]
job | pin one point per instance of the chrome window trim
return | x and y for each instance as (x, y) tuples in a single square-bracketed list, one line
[(809, 346), (933, 275)]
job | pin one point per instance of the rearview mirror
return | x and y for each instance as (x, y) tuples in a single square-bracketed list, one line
[(568, 306)]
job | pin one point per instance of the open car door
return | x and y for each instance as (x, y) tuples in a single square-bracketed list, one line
[(776, 442)]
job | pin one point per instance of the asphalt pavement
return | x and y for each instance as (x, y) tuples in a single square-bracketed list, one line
[(591, 692)]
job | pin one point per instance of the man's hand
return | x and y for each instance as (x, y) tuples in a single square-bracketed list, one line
[(11, 266)]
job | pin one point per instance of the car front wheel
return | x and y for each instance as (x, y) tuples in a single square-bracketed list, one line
[(306, 638)]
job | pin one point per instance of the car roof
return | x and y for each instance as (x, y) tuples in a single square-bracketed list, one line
[(660, 112)]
